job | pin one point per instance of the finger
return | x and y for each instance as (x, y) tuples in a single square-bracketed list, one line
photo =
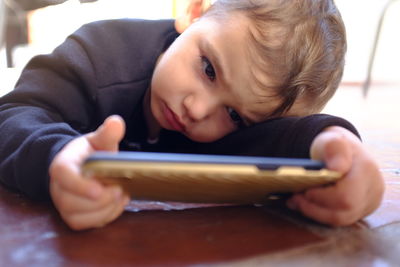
[(341, 195), (70, 180), (348, 192), (194, 9), (334, 149), (108, 135), (69, 203), (124, 202), (97, 218), (322, 196), (65, 170), (205, 6), (322, 214)]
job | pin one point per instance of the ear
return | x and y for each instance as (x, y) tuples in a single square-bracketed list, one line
[(194, 11)]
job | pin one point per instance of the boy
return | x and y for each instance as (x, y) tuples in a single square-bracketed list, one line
[(244, 69)]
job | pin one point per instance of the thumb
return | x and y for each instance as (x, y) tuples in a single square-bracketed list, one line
[(194, 10), (108, 135), (197, 8), (333, 148)]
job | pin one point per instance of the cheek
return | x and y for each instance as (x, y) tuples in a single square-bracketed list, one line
[(212, 129), (168, 77), (159, 80)]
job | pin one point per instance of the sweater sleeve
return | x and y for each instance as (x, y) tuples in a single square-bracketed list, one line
[(52, 102), (98, 71), (280, 137)]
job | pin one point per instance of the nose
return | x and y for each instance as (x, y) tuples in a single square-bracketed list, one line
[(200, 106)]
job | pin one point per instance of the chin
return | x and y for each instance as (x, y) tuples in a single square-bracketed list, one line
[(202, 139)]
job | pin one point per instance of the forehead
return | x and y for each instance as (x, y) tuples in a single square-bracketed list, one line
[(228, 38)]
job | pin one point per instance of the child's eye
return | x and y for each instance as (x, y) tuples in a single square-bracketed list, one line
[(235, 117), (208, 69)]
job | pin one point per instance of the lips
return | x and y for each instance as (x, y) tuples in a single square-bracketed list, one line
[(173, 119)]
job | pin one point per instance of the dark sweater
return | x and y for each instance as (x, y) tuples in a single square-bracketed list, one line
[(105, 68)]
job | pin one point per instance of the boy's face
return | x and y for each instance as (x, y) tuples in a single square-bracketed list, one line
[(203, 86)]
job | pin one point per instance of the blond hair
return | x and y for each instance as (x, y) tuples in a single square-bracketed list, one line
[(301, 44)]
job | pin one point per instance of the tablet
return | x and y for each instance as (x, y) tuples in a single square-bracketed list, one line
[(201, 178)]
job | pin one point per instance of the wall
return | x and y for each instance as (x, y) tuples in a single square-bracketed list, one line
[(50, 25), (361, 18)]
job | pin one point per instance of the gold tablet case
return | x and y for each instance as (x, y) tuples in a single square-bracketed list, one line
[(205, 183)]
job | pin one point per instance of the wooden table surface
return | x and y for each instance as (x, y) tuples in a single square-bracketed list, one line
[(176, 234)]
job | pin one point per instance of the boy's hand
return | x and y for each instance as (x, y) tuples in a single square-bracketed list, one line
[(193, 11), (353, 197), (81, 201)]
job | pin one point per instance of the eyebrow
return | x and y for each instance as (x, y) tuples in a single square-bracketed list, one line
[(217, 62), (220, 66)]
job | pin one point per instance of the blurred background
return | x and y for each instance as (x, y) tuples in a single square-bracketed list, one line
[(30, 27)]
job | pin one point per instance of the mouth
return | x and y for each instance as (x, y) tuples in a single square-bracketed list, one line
[(173, 119)]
